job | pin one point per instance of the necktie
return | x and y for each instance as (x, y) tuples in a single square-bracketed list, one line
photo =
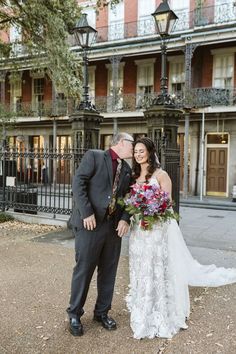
[(112, 205)]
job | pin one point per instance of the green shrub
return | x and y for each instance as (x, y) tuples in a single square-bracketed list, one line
[(5, 217)]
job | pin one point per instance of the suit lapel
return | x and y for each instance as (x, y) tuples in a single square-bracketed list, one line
[(109, 166)]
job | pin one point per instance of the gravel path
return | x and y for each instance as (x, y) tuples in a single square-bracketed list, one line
[(35, 283)]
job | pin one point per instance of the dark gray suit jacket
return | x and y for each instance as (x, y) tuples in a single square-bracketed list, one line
[(92, 188)]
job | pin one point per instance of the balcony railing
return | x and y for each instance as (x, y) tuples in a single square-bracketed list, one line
[(42, 109), (201, 16), (204, 97), (194, 98)]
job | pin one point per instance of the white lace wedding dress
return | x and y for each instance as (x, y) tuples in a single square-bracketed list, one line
[(161, 268)]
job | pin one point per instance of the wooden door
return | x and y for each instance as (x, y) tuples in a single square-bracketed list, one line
[(216, 179)]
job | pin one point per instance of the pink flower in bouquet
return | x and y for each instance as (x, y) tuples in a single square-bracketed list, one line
[(148, 204)]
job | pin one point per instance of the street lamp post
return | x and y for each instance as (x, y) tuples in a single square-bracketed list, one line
[(162, 116), (165, 20), (85, 121), (85, 36)]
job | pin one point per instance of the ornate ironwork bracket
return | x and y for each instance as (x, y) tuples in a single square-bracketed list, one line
[(115, 62), (188, 51)]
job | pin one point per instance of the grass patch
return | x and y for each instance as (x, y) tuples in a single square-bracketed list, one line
[(4, 217)]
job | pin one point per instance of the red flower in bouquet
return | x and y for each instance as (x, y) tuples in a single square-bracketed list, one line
[(148, 204)]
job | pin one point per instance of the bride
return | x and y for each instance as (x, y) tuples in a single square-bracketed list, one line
[(161, 266)]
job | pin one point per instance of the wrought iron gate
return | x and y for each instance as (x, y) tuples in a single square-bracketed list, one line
[(39, 180)]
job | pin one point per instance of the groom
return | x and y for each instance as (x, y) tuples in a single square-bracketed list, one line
[(98, 225)]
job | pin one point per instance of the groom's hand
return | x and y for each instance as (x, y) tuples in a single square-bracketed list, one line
[(122, 228), (90, 222)]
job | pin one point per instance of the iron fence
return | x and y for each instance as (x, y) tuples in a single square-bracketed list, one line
[(39, 180), (33, 181)]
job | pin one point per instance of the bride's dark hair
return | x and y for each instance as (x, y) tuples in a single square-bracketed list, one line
[(153, 162)]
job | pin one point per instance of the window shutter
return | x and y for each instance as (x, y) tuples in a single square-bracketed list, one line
[(145, 75), (223, 70)]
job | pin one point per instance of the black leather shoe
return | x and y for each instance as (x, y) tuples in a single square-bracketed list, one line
[(106, 321), (76, 327)]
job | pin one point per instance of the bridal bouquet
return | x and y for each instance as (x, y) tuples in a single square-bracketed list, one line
[(149, 204)]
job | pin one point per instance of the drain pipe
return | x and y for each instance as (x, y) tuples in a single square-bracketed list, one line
[(202, 155), (186, 147)]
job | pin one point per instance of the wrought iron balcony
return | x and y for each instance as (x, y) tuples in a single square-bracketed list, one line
[(210, 96), (201, 16), (194, 98), (41, 109)]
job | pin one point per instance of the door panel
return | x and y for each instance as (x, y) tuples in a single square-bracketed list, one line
[(216, 180)]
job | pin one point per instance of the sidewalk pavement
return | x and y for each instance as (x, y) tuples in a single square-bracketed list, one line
[(208, 202), (35, 272)]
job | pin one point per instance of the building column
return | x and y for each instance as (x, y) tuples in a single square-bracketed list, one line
[(2, 82), (115, 64), (189, 51), (186, 148)]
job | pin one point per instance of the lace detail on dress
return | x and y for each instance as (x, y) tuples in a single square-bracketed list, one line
[(161, 268), (151, 299)]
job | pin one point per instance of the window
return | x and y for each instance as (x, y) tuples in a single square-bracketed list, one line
[(116, 21), (34, 167), (145, 81), (146, 23), (179, 5), (105, 141), (218, 138), (15, 34), (223, 71), (15, 38), (11, 141), (176, 75), (38, 95), (16, 91)]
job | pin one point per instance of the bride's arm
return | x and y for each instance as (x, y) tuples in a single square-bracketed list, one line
[(165, 182)]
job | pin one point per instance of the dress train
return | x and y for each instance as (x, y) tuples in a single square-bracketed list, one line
[(161, 269)]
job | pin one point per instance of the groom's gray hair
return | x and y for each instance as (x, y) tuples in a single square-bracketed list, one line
[(118, 137)]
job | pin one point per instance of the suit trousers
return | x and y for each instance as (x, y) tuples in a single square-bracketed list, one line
[(98, 248)]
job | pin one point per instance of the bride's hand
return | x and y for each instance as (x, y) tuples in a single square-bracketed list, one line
[(122, 228)]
